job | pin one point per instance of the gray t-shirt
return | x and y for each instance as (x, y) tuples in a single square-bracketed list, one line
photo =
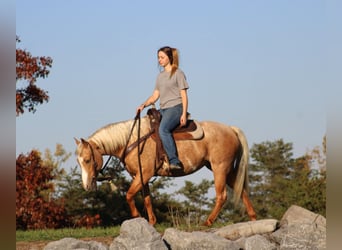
[(169, 88)]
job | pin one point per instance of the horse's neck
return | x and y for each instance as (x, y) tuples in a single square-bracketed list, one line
[(113, 139)]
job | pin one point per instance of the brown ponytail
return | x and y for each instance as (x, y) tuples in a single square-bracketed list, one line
[(172, 54), (175, 61)]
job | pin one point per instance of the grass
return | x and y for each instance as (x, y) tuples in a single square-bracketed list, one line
[(78, 233), (57, 234)]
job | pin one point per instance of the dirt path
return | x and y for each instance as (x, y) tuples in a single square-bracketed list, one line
[(39, 245)]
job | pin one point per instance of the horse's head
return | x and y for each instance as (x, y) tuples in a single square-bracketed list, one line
[(90, 161)]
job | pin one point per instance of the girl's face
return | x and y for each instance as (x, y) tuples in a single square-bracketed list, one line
[(163, 59)]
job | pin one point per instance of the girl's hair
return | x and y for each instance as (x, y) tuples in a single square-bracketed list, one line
[(172, 54)]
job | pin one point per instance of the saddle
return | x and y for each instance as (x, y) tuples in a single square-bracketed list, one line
[(191, 131)]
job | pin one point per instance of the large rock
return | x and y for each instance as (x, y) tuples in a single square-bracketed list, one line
[(246, 229), (179, 240), (299, 215), (138, 234), (71, 243), (300, 236), (301, 229)]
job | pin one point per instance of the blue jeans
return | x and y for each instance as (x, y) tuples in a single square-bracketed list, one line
[(169, 121)]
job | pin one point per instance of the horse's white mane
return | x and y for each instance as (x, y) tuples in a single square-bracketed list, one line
[(115, 135)]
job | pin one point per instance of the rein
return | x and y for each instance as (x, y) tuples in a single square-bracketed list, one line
[(139, 160), (122, 158), (128, 149)]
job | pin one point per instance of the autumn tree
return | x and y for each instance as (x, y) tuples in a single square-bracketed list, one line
[(28, 69), (36, 208)]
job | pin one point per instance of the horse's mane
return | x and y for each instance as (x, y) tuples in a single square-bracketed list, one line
[(115, 135)]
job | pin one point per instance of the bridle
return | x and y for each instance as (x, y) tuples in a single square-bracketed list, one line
[(95, 165)]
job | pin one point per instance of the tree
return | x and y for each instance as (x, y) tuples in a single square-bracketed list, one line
[(272, 166), (77, 200), (105, 207), (197, 202), (310, 189), (108, 206), (29, 69), (163, 203), (35, 206), (279, 181)]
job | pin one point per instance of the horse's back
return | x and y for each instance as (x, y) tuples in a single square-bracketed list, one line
[(218, 131)]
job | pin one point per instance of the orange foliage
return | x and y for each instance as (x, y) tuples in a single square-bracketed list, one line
[(35, 206), (35, 209), (29, 68)]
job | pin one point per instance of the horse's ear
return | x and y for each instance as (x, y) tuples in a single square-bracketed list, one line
[(77, 141), (84, 141)]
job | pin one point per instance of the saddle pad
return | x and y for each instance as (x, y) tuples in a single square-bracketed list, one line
[(194, 133)]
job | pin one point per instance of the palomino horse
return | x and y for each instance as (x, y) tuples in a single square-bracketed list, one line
[(223, 149)]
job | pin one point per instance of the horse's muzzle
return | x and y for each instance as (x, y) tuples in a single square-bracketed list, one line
[(90, 186)]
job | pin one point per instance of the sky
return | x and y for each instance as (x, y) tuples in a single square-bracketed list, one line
[(258, 65)]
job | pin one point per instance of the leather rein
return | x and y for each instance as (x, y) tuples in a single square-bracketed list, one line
[(129, 148)]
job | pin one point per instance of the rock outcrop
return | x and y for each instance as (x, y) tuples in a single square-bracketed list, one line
[(298, 229)]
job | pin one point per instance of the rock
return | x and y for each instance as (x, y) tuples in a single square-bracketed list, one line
[(71, 243), (137, 234), (298, 229), (300, 236), (301, 229), (298, 215), (259, 242), (179, 240), (246, 229)]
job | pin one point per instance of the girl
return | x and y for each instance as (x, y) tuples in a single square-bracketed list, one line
[(171, 87)]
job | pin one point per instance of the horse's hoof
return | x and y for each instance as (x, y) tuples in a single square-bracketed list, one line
[(207, 224)]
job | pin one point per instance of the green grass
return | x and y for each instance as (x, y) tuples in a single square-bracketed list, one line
[(57, 234)]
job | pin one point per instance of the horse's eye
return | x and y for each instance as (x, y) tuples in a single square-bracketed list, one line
[(86, 161)]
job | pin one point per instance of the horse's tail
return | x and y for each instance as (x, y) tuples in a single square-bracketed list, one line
[(241, 181)]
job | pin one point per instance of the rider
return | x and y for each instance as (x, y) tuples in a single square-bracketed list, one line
[(171, 87)]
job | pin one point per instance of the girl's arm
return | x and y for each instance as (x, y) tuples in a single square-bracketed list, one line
[(184, 96), (151, 100)]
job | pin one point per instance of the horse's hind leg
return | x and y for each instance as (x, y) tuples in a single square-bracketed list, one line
[(245, 198), (221, 196), (248, 204)]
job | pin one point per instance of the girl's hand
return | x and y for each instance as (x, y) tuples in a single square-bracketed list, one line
[(183, 120), (140, 108)]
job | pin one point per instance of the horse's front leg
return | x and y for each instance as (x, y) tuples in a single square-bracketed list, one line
[(132, 191), (148, 205)]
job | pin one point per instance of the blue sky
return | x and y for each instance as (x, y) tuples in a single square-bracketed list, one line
[(258, 65)]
